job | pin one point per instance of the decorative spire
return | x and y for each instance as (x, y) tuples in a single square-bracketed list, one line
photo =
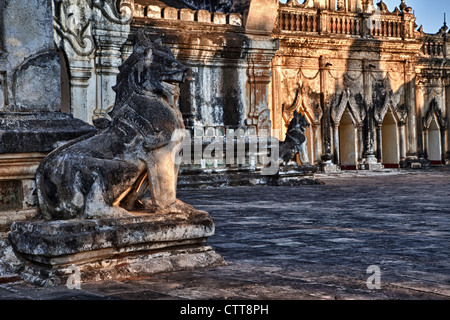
[(382, 6), (403, 6), (444, 27)]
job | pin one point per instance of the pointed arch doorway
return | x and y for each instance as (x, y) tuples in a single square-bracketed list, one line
[(390, 141), (347, 142), (434, 144), (434, 134)]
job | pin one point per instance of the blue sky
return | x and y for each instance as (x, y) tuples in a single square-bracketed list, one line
[(429, 13)]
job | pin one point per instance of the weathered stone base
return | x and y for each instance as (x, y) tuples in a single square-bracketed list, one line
[(285, 175), (138, 264), (25, 139), (414, 163), (139, 245), (329, 167), (372, 166)]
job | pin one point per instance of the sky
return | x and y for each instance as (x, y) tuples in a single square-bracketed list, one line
[(429, 13)]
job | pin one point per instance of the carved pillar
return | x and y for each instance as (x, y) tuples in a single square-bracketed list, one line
[(357, 143), (82, 98), (402, 146), (187, 105), (370, 152), (410, 102), (425, 142), (326, 127), (259, 76), (258, 79), (111, 30), (276, 104), (379, 143), (317, 141), (73, 35), (336, 151), (447, 114), (91, 34), (360, 143), (418, 123)]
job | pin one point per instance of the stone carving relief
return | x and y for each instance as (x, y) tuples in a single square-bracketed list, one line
[(109, 10), (83, 31), (434, 109), (295, 141), (72, 23), (258, 79), (301, 92), (73, 20), (393, 100), (347, 99), (346, 90)]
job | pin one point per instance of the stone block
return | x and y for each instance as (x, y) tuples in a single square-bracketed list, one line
[(235, 19), (38, 132), (261, 16), (198, 131), (138, 245), (139, 11), (203, 16), (170, 13), (187, 15), (251, 131), (153, 12), (141, 264), (210, 132), (36, 84), (219, 18), (30, 77), (329, 167)]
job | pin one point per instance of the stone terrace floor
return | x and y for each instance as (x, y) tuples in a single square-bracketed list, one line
[(312, 242)]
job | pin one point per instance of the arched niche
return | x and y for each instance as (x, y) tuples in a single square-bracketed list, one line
[(347, 141)]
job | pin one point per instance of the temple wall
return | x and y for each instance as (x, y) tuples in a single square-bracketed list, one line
[(331, 62), (251, 68)]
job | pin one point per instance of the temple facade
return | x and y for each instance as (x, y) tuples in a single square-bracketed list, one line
[(373, 86)]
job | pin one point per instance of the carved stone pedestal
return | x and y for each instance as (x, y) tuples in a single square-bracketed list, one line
[(329, 167), (25, 139), (415, 163), (371, 164), (94, 250)]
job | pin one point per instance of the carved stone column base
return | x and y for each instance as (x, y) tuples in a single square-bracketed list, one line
[(57, 252), (329, 167), (447, 160), (415, 163), (370, 163)]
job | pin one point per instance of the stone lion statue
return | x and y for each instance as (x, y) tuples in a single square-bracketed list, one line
[(295, 141), (108, 173)]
